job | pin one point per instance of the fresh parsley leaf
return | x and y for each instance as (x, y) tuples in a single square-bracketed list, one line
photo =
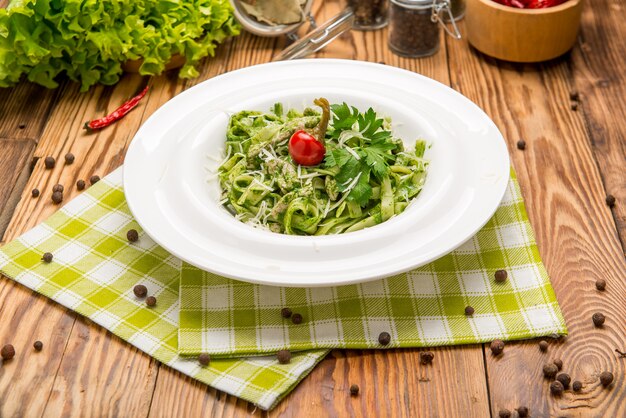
[(344, 117), (376, 158), (348, 173), (369, 123), (362, 191), (380, 136), (337, 157)]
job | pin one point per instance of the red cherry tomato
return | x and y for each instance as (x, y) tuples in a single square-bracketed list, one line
[(305, 149)]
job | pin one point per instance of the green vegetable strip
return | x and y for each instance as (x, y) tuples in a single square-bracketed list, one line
[(366, 178)]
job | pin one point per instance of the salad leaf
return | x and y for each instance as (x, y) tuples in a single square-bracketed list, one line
[(89, 40)]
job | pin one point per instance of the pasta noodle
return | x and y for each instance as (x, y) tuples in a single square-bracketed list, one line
[(366, 177)]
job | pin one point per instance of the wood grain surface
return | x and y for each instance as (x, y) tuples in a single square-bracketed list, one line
[(600, 81), (574, 229), (573, 159)]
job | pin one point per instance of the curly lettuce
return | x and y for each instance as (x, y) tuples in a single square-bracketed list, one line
[(89, 40)]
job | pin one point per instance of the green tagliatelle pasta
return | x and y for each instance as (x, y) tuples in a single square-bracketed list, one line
[(366, 177)]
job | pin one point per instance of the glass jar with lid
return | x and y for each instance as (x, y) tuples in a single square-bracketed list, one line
[(414, 26)]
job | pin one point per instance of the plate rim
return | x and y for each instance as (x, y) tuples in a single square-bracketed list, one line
[(264, 279)]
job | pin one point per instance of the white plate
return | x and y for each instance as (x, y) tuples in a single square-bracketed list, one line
[(165, 174)]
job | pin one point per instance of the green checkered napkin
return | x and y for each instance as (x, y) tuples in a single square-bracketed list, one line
[(424, 307), (94, 271), (95, 268)]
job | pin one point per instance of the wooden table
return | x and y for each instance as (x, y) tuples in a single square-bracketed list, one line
[(573, 159)]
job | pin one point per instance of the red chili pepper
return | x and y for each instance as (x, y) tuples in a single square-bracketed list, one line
[(117, 114)]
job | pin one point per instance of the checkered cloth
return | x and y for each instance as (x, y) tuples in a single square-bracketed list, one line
[(95, 268), (424, 307)]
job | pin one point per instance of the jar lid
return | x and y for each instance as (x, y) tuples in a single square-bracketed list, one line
[(416, 4), (264, 29), (318, 38)]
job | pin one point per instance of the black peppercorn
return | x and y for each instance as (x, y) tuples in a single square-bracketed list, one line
[(574, 106), (94, 179), (543, 345), (577, 386), (69, 158), (426, 357), (35, 193), (140, 291), (57, 197), (354, 390), (573, 96), (497, 347), (285, 313), (598, 319), (558, 363), (80, 184), (49, 162), (204, 359), (38, 345), (556, 388), (151, 301), (500, 275), (296, 318), (469, 311), (522, 412), (521, 144), (58, 188), (600, 284), (550, 370), (132, 235), (606, 378), (284, 356), (47, 257), (384, 338), (564, 378), (504, 413), (7, 352), (610, 200)]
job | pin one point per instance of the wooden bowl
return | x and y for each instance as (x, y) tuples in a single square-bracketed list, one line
[(522, 35)]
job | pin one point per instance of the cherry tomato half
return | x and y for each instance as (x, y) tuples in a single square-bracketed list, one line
[(305, 149)]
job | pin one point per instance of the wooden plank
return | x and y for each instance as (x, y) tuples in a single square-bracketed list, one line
[(101, 375), (599, 72), (25, 381), (177, 395), (25, 109), (574, 229), (392, 383), (14, 170)]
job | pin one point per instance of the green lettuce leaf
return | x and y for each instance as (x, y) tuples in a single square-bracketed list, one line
[(89, 40)]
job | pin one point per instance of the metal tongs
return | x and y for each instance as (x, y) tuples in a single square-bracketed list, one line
[(310, 43)]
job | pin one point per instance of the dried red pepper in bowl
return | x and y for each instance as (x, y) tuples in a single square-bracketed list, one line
[(117, 114), (530, 4)]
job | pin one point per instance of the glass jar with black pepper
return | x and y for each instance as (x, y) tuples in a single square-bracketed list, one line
[(369, 14), (414, 26)]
